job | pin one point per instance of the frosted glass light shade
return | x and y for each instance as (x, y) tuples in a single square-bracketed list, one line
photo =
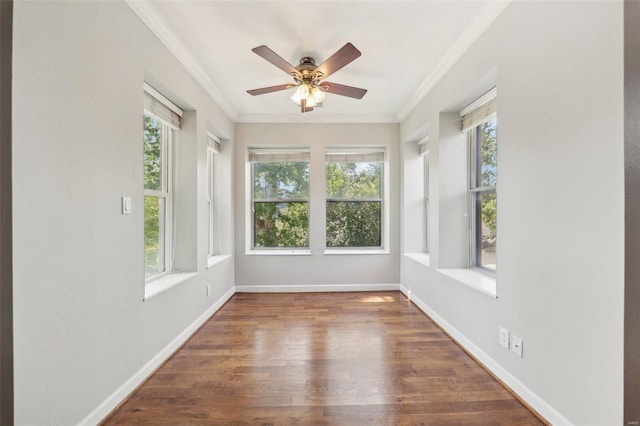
[(302, 92), (318, 95)]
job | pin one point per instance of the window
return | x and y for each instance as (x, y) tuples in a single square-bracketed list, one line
[(354, 207), (213, 148), (424, 151), (480, 123), (159, 123), (280, 198)]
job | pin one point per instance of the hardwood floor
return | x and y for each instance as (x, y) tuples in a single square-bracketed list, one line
[(322, 359)]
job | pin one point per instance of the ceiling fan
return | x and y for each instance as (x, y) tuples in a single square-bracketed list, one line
[(309, 78)]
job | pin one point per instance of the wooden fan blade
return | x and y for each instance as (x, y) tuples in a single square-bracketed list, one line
[(275, 59), (341, 89), (270, 89), (342, 57)]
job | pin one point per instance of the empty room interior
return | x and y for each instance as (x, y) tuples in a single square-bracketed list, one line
[(320, 212)]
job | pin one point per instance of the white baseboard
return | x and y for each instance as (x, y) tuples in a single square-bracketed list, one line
[(314, 288), (97, 415), (531, 398)]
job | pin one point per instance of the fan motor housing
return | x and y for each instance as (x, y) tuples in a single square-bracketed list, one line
[(306, 64), (306, 67)]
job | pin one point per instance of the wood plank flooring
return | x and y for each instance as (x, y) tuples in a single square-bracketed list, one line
[(321, 359)]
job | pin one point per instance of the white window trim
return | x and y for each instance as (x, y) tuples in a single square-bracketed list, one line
[(486, 103), (477, 279), (384, 225), (250, 249), (166, 192), (170, 115), (214, 252), (214, 260), (165, 282), (356, 251), (421, 258), (424, 147), (275, 251), (211, 250)]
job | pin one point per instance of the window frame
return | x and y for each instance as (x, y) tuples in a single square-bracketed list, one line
[(475, 192), (424, 147), (472, 117), (210, 201), (166, 193), (382, 199), (213, 243), (252, 248)]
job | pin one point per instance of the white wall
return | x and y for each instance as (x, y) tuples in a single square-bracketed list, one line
[(81, 327), (558, 69), (317, 269)]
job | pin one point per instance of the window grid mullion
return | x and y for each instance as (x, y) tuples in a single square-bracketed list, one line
[(483, 189), (355, 199), (281, 200), (153, 193)]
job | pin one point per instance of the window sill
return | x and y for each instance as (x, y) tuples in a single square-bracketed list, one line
[(473, 278), (165, 282), (278, 252), (356, 251), (214, 260), (421, 258)]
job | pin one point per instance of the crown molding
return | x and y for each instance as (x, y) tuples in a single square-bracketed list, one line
[(318, 118), (150, 16), (473, 31)]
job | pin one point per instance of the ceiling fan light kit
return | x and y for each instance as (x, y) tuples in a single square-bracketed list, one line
[(310, 87), (313, 96)]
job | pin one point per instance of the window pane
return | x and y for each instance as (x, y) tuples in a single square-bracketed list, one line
[(488, 152), (210, 165), (211, 230), (354, 180), (281, 224), (353, 223), (210, 174), (487, 230), (426, 202), (280, 180), (152, 152), (153, 235), (426, 176)]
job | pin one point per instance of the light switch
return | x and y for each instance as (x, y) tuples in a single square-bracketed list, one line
[(126, 205), (504, 337)]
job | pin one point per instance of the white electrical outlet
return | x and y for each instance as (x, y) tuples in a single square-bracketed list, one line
[(208, 290), (504, 337), (516, 345)]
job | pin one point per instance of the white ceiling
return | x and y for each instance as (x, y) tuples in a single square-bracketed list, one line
[(406, 46)]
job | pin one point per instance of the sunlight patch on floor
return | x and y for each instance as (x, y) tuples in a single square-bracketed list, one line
[(377, 299)]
